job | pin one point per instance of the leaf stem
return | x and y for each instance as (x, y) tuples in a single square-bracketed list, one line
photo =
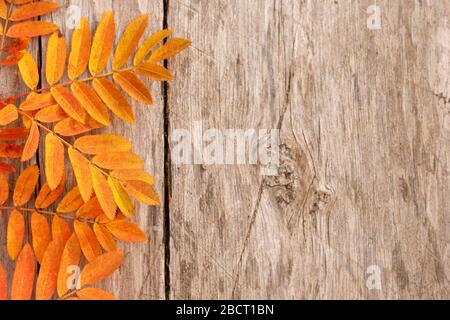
[(48, 213), (5, 29)]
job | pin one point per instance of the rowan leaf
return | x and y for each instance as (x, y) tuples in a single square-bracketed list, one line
[(8, 114), (118, 160), (88, 241), (16, 45), (101, 143), (37, 101), (10, 150), (25, 185), (29, 70), (13, 134), (47, 196), (32, 10), (15, 234), (81, 48), (154, 71), (133, 86), (69, 103), (169, 49), (54, 160), (102, 44), (138, 175), (19, 2), (149, 44), (48, 272), (3, 9), (121, 197), (70, 257), (101, 267), (90, 210), (40, 231), (60, 229), (142, 192), (70, 127), (126, 231), (80, 167), (105, 238), (11, 59), (104, 193), (56, 58), (31, 29), (129, 41), (4, 189), (91, 102), (23, 278), (72, 201), (32, 143), (3, 283), (94, 294), (51, 114), (114, 99), (6, 168)]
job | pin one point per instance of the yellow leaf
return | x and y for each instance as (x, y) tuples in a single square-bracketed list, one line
[(25, 185), (121, 197), (23, 279), (105, 238), (169, 49), (102, 44), (96, 144), (3, 9), (71, 202), (126, 231), (149, 44), (54, 160), (118, 161), (32, 10), (91, 102), (139, 175), (40, 231), (32, 143), (113, 99), (133, 86), (48, 272), (129, 41), (88, 241), (103, 192), (56, 58), (154, 71), (69, 103), (8, 114), (82, 173), (142, 192), (31, 29), (15, 234), (101, 267), (71, 257), (81, 48)]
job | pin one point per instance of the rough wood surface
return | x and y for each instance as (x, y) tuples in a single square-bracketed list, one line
[(363, 180)]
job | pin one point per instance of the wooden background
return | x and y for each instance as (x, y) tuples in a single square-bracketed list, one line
[(364, 174)]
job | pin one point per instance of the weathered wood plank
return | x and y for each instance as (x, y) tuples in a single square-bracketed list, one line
[(363, 177)]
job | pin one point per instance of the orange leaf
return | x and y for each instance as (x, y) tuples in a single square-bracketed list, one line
[(102, 44), (23, 279), (71, 257), (81, 47), (4, 189), (139, 175), (149, 44), (48, 196), (121, 197), (15, 233), (32, 143), (129, 41), (126, 231), (32, 10), (133, 86), (82, 173), (90, 209), (56, 58), (25, 185), (8, 114), (60, 229), (69, 103), (20, 2), (104, 237), (118, 160), (91, 102), (31, 29), (114, 99), (12, 134), (40, 231), (3, 283), (48, 272), (96, 144), (88, 241), (71, 202), (94, 294), (101, 267), (51, 114), (6, 168), (3, 10), (103, 192), (11, 59), (10, 150), (169, 49), (16, 45), (29, 70), (142, 192), (54, 160), (70, 127), (154, 72), (36, 101)]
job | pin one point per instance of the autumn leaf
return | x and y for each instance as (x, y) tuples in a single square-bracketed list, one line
[(70, 127), (31, 29), (138, 175), (133, 86), (72, 201), (101, 267), (169, 49), (154, 72), (4, 189), (88, 241), (8, 114), (51, 114), (105, 238), (121, 198), (29, 70), (23, 278), (126, 231), (81, 46), (54, 160), (70, 257), (69, 103), (32, 143), (48, 272), (25, 185), (32, 10), (94, 294), (91, 102), (37, 101), (40, 231), (3, 283), (82, 173), (60, 229), (56, 58), (15, 233), (104, 193), (90, 210), (142, 192), (102, 44), (101, 143), (13, 134), (47, 196), (149, 44), (118, 160), (10, 150)]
